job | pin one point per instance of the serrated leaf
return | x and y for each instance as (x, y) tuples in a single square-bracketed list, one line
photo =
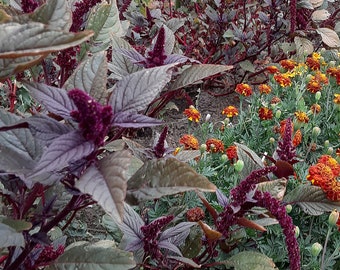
[(311, 199), (66, 148), (320, 15), (196, 73), (134, 92), (126, 120), (250, 260), (251, 160), (106, 182), (54, 99), (277, 188), (162, 177), (10, 237), (303, 47), (91, 76), (329, 37), (247, 66), (45, 128), (104, 21), (35, 38), (55, 13), (10, 66), (102, 255)]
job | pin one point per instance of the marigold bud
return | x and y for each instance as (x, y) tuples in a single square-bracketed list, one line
[(331, 63), (317, 96), (316, 248), (289, 208), (207, 118), (224, 157), (326, 143), (278, 114), (330, 150), (271, 140), (333, 217), (203, 147), (297, 231), (316, 132), (239, 165)]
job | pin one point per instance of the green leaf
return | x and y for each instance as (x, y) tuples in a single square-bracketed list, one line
[(102, 255), (105, 23), (193, 243), (311, 199), (90, 76), (276, 188), (246, 65), (106, 182), (157, 178), (251, 160), (10, 237), (56, 13), (250, 260), (34, 38), (196, 73), (17, 225)]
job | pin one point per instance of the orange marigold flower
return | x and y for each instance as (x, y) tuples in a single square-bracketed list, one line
[(275, 100), (337, 99), (283, 126), (282, 79), (230, 111), (297, 139), (319, 174), (314, 86), (337, 152), (321, 77), (265, 113), (214, 145), (330, 162), (315, 108), (333, 191), (231, 152), (243, 89), (192, 113), (301, 117), (333, 71), (288, 64), (313, 63), (265, 89), (189, 141), (272, 69)]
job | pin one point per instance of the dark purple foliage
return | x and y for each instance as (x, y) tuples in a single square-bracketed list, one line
[(285, 148)]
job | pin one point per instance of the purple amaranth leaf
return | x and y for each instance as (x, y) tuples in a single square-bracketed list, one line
[(134, 92), (127, 120), (221, 198), (45, 128), (134, 56), (177, 234), (55, 100), (65, 149), (178, 58), (169, 246)]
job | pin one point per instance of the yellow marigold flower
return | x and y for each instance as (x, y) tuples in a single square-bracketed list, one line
[(214, 145), (337, 99), (297, 139), (315, 108), (265, 89), (230, 111), (189, 141), (313, 63), (288, 64), (314, 86), (316, 56), (332, 163), (282, 79), (176, 151), (301, 117), (272, 69), (243, 89), (265, 113), (192, 113)]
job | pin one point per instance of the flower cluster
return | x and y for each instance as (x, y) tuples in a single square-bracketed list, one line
[(230, 111), (285, 148), (215, 145), (265, 113), (243, 89), (94, 119), (192, 113), (325, 174), (190, 142), (157, 56)]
